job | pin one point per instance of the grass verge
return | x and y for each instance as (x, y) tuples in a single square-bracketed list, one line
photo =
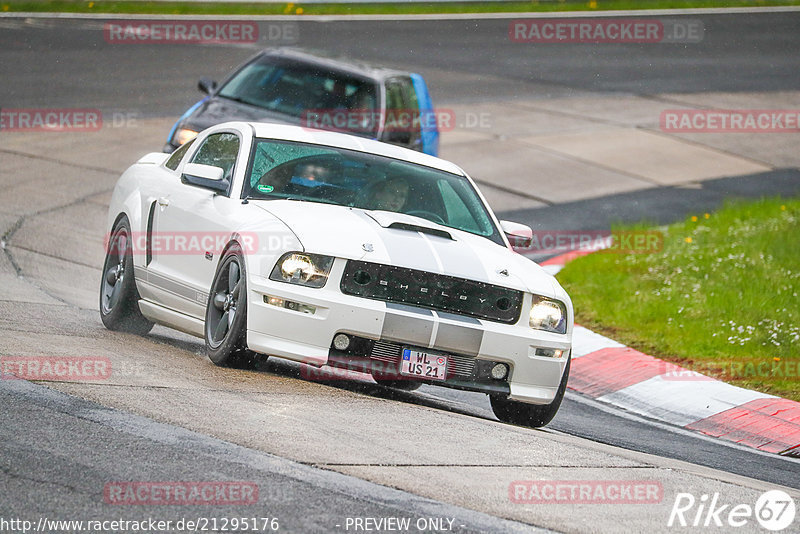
[(391, 8), (720, 298)]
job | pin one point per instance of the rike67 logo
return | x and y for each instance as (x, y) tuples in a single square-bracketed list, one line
[(774, 510)]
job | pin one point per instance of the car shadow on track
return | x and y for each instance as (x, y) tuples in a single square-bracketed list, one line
[(363, 385), (457, 402)]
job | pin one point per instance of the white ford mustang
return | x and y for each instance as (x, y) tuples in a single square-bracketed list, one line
[(334, 250)]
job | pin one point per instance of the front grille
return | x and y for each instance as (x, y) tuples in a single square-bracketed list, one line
[(388, 352), (385, 351), (430, 290)]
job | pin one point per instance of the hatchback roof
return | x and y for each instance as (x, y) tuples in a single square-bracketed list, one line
[(341, 64)]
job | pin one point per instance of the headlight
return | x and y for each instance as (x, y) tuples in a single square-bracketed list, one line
[(549, 315), (304, 269), (183, 135)]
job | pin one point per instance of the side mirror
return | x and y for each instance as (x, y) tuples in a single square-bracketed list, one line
[(518, 234), (207, 85), (206, 176)]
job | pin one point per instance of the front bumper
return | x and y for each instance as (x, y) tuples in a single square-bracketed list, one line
[(306, 336), (382, 359)]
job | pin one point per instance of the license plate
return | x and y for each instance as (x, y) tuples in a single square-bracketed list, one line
[(423, 365)]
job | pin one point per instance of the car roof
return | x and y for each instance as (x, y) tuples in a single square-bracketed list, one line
[(340, 64), (302, 134)]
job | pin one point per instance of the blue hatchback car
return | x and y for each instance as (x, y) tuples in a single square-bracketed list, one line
[(295, 87)]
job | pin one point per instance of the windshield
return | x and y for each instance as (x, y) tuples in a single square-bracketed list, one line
[(299, 89), (315, 173)]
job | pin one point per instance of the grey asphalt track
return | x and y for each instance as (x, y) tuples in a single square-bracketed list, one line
[(69, 63), (64, 63), (78, 447)]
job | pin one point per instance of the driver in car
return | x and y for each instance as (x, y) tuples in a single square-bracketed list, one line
[(390, 195)]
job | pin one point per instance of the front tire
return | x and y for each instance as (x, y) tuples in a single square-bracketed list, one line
[(532, 415), (226, 314), (119, 298)]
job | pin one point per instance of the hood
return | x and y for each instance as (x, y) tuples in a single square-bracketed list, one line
[(217, 110), (406, 241)]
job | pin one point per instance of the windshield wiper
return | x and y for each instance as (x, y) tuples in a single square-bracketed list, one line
[(238, 99), (317, 200)]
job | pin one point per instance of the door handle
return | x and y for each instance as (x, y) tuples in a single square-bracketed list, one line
[(163, 202)]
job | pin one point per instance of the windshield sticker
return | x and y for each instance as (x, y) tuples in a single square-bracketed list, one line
[(265, 188)]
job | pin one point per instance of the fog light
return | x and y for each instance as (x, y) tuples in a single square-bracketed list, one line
[(549, 353), (290, 305), (499, 371), (341, 341)]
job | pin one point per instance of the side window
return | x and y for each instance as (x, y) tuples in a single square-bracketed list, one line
[(219, 150), (176, 157), (412, 107), (410, 94), (398, 122), (394, 96)]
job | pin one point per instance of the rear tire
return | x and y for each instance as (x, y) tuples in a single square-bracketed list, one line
[(226, 314), (525, 414), (119, 298)]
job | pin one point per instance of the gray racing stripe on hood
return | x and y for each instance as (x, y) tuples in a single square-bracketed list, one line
[(457, 258), (408, 249), (427, 252)]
